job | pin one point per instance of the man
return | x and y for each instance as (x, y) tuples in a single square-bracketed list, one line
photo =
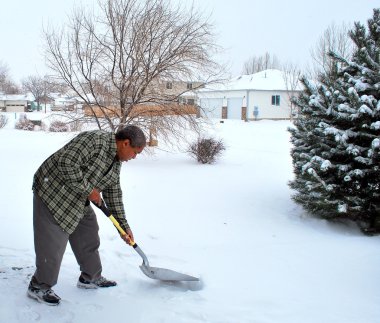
[(86, 169)]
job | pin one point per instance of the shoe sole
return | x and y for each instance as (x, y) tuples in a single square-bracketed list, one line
[(87, 286), (34, 296), (91, 286)]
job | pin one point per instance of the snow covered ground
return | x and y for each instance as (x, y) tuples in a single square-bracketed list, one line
[(260, 257)]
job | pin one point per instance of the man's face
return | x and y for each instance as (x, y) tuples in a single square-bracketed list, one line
[(126, 152)]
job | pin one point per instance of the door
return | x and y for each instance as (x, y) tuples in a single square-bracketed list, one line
[(234, 106), (211, 108)]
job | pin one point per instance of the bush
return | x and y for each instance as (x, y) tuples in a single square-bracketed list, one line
[(24, 123), (206, 150), (76, 126), (3, 120), (58, 126)]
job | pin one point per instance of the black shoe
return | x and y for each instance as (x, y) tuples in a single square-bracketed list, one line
[(46, 296), (100, 282)]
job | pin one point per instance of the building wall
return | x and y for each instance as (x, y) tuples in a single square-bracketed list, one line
[(236, 100), (15, 109), (172, 89), (263, 101), (15, 105), (142, 110), (211, 107)]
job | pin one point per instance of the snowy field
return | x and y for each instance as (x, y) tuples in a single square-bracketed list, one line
[(260, 257)]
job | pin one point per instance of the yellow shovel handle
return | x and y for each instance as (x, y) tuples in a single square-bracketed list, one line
[(109, 215), (117, 225), (121, 230)]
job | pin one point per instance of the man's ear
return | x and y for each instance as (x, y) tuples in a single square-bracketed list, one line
[(127, 142)]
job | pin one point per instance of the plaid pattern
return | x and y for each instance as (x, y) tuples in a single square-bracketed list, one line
[(66, 178)]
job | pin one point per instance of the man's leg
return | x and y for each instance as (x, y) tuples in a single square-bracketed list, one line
[(85, 243), (49, 243)]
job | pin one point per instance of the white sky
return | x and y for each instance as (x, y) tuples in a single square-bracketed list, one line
[(287, 29)]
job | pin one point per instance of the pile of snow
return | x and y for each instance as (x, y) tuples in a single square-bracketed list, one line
[(260, 257)]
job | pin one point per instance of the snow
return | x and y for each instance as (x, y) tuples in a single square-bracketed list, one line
[(375, 142), (270, 79), (17, 97), (326, 164), (361, 86), (261, 259), (364, 109)]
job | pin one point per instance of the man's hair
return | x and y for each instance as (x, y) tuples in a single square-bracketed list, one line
[(134, 134)]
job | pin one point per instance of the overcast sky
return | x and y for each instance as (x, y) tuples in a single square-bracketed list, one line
[(287, 29)]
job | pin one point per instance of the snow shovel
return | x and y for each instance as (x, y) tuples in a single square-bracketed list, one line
[(152, 272)]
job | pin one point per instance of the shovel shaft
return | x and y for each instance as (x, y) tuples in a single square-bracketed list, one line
[(107, 212), (109, 215), (117, 225)]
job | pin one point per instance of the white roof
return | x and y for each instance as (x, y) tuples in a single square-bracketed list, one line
[(17, 97), (264, 80)]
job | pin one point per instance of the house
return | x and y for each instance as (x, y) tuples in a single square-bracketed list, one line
[(171, 97), (183, 90), (16, 102), (62, 102), (142, 110), (264, 95)]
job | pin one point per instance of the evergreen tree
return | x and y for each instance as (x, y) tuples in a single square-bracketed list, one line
[(336, 138)]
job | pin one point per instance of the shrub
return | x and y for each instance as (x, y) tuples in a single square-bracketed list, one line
[(3, 120), (206, 150), (58, 126), (76, 126), (24, 123)]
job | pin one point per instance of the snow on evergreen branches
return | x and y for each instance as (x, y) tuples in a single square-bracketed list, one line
[(336, 139)]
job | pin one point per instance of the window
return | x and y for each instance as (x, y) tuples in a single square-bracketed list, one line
[(275, 100), (189, 86), (190, 101), (169, 85)]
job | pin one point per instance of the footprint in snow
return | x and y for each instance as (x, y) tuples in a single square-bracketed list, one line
[(28, 315)]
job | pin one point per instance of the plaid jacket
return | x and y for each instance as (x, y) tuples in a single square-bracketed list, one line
[(66, 178)]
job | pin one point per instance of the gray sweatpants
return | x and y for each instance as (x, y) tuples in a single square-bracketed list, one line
[(50, 242)]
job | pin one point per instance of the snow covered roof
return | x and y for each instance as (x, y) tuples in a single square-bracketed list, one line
[(55, 95), (17, 97), (265, 80)]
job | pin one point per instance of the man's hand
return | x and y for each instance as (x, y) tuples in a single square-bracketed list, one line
[(128, 238), (95, 197)]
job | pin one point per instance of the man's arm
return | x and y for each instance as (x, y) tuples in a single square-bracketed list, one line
[(114, 200)]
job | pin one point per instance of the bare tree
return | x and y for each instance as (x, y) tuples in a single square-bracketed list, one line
[(37, 86), (4, 71), (55, 84), (7, 85), (334, 39), (118, 61), (260, 63), (291, 74), (41, 87)]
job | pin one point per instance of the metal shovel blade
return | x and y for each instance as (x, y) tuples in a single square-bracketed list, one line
[(151, 272), (160, 273), (165, 274)]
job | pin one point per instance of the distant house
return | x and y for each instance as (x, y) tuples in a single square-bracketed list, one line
[(16, 102), (62, 102), (142, 110), (263, 95), (172, 97), (184, 90)]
